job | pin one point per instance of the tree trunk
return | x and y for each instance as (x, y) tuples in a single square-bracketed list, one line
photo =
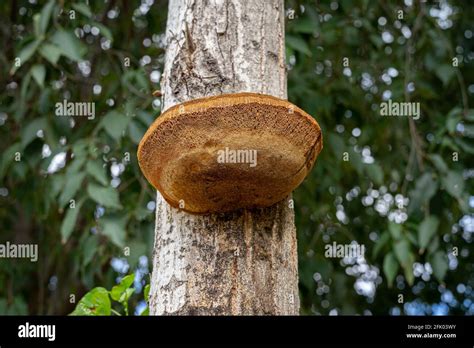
[(243, 262)]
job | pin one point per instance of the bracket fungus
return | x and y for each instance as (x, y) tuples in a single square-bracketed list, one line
[(233, 151)]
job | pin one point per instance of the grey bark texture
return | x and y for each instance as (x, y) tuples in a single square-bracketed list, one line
[(245, 262)]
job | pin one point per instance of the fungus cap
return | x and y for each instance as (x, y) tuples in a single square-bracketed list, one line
[(233, 151)]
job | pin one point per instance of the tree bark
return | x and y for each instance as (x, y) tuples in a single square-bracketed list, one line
[(245, 262)]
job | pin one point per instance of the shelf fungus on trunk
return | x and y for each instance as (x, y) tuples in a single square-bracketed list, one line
[(233, 151)]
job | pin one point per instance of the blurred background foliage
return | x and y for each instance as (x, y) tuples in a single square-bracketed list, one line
[(401, 188)]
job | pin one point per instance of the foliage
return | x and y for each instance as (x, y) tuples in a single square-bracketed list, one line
[(77, 190), (404, 192), (97, 301)]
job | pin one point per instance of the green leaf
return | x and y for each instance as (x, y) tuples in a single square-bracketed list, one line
[(337, 145), (7, 157), (434, 245), (390, 268), (104, 31), (445, 73), (304, 25), (453, 182), (83, 9), (439, 262), (412, 239), (439, 163), (469, 130), (50, 52), (89, 249), (136, 131), (470, 115), (69, 45), (113, 227), (402, 252), (95, 302), (381, 242), (106, 196), (69, 221), (427, 230), (375, 172), (451, 123), (395, 230), (405, 258), (119, 291), (465, 145), (425, 188), (376, 40), (38, 72), (115, 123), (56, 185), (28, 133), (72, 185), (355, 159), (76, 164), (25, 54), (18, 307), (146, 292), (97, 171), (36, 25), (45, 16), (137, 249), (298, 44), (408, 270)]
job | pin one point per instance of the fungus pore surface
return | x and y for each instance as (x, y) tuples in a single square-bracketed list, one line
[(233, 151)]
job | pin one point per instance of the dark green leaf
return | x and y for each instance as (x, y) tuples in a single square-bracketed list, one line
[(390, 268), (439, 262), (445, 73), (439, 163), (375, 173), (115, 123), (298, 44), (427, 230), (50, 52), (136, 131), (69, 221), (97, 171), (25, 54), (45, 16), (381, 242), (453, 183), (395, 230), (106, 196), (105, 31), (69, 45), (83, 9), (72, 185), (28, 133), (425, 188), (402, 252), (113, 227), (38, 72)]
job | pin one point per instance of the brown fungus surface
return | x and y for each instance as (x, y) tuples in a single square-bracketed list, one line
[(233, 151)]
